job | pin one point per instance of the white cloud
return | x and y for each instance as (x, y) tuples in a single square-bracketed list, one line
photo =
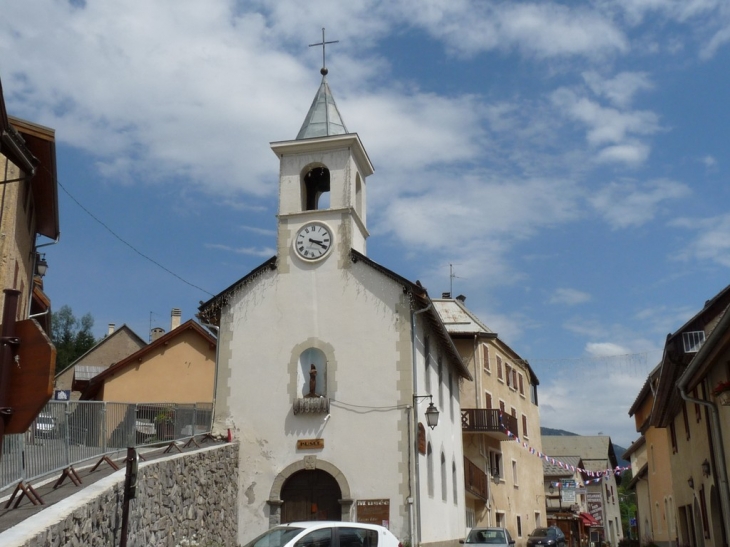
[(709, 161), (541, 30), (620, 89), (712, 242), (570, 297), (265, 252), (566, 402), (626, 204), (605, 349)]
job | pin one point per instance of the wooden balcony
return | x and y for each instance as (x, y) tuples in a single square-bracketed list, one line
[(475, 480), (489, 422)]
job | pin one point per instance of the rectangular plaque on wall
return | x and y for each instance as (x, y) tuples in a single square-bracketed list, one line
[(310, 444), (374, 512)]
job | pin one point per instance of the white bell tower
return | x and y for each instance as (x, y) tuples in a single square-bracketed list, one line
[(322, 186)]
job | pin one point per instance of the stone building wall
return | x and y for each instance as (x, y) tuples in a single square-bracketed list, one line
[(184, 500)]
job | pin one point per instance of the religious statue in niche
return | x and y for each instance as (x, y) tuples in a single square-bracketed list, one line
[(312, 382)]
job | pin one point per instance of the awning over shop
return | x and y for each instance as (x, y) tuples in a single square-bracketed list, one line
[(588, 520)]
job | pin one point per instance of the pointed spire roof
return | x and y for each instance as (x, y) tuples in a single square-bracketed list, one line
[(323, 118)]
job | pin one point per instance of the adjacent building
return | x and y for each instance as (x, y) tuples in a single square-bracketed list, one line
[(503, 486), (691, 404), (28, 211), (118, 344), (600, 481)]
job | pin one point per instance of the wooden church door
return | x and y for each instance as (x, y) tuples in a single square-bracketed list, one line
[(310, 495)]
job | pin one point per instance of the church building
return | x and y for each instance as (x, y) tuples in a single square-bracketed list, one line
[(332, 368)]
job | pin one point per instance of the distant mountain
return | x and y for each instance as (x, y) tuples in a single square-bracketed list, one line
[(619, 450), (561, 432)]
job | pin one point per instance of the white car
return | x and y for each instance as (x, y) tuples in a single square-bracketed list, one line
[(326, 534)]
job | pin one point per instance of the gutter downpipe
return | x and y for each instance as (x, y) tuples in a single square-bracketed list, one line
[(416, 541), (717, 446)]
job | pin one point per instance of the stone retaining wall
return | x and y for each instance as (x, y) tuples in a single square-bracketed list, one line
[(184, 500)]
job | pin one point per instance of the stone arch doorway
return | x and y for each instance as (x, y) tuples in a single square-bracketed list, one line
[(310, 495), (277, 500)]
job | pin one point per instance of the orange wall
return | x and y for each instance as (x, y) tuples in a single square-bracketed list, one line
[(180, 372)]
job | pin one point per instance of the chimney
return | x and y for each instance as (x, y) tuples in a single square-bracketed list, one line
[(461, 298), (156, 333), (445, 295), (175, 318), (110, 329)]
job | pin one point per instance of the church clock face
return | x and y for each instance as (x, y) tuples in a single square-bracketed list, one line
[(313, 241)]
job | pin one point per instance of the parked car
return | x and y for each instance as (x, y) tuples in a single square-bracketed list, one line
[(489, 536), (551, 536), (326, 534), (45, 425)]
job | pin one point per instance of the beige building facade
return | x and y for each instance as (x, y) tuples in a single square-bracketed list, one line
[(504, 478), (650, 465)]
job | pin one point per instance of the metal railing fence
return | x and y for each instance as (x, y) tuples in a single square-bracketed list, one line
[(67, 433)]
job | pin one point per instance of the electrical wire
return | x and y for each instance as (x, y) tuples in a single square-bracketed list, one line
[(140, 253)]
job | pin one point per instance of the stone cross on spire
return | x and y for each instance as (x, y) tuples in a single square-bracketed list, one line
[(323, 43)]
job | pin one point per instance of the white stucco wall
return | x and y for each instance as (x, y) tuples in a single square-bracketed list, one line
[(360, 319)]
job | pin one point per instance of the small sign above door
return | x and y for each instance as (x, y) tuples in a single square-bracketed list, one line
[(310, 444)]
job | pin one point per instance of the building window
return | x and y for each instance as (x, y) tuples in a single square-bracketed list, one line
[(471, 518), (515, 482), (524, 426), (501, 406), (703, 509), (508, 374), (495, 464), (441, 381), (487, 400), (485, 357), (443, 477), (686, 419), (429, 468), (426, 360), (522, 385), (514, 379), (698, 411), (519, 526), (499, 367), (513, 411), (451, 395), (538, 519), (454, 483)]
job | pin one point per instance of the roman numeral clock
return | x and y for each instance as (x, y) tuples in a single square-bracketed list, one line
[(313, 241)]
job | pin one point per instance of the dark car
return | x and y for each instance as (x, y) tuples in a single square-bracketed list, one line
[(550, 536)]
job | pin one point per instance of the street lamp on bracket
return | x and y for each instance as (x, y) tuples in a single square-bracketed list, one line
[(432, 413)]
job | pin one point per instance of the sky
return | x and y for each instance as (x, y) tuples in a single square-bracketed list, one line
[(561, 164)]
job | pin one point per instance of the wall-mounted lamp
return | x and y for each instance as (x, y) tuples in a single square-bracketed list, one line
[(706, 468), (41, 266), (691, 483), (432, 413)]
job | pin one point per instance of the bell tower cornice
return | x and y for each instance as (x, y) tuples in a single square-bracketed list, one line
[(349, 141)]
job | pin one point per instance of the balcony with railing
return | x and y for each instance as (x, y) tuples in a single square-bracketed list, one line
[(475, 480), (489, 421)]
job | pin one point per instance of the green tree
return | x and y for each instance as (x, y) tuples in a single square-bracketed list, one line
[(71, 336)]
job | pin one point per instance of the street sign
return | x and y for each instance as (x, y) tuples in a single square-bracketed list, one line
[(31, 375)]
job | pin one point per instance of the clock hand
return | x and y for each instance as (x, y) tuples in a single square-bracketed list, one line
[(317, 242)]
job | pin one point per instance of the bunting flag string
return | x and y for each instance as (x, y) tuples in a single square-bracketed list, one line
[(596, 476)]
